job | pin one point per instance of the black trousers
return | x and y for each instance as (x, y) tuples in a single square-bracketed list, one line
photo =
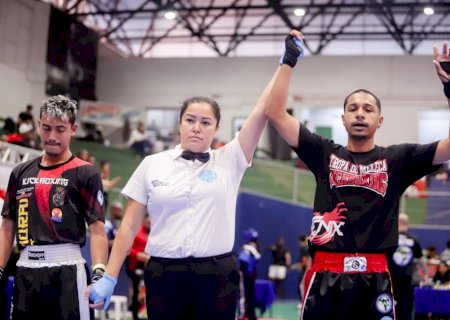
[(192, 288)]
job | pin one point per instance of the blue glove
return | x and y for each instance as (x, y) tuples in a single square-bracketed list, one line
[(294, 51), (102, 290)]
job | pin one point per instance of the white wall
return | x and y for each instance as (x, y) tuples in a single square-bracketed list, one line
[(405, 85), (23, 49)]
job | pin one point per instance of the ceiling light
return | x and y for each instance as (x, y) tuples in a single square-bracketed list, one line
[(170, 15), (299, 12), (428, 11)]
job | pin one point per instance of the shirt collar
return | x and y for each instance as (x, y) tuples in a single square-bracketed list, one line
[(177, 150)]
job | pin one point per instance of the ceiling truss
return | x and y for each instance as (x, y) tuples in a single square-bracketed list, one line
[(136, 27)]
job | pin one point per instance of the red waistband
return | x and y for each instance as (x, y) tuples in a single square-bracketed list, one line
[(334, 262)]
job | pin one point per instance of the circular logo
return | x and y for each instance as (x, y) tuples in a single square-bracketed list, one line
[(208, 175), (100, 197), (402, 256), (355, 264), (384, 303), (56, 215)]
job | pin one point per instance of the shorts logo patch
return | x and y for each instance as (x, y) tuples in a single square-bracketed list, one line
[(36, 255), (384, 303), (355, 264), (56, 215), (208, 176), (100, 197)]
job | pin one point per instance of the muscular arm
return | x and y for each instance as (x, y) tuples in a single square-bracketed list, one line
[(285, 124), (7, 233), (132, 221), (443, 149), (99, 243), (254, 125)]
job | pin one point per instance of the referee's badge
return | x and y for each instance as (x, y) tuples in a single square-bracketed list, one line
[(384, 303), (208, 176)]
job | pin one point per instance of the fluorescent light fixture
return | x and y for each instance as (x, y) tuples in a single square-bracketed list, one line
[(299, 12), (170, 15), (428, 11)]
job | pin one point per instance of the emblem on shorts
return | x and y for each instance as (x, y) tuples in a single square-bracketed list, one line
[(384, 303), (100, 197), (355, 264), (56, 215), (36, 255), (208, 175), (58, 197)]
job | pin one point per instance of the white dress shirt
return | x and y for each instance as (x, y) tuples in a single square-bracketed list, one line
[(192, 205)]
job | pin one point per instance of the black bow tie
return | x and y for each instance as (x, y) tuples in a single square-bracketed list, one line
[(200, 156)]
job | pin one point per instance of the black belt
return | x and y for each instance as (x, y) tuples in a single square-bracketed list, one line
[(191, 259)]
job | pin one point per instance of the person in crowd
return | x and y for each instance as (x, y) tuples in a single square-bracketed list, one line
[(190, 194), (431, 253), (406, 257), (248, 259), (49, 201), (137, 259), (281, 261), (355, 217), (108, 182), (442, 275), (112, 224), (83, 154), (140, 140), (303, 264), (445, 254), (26, 116)]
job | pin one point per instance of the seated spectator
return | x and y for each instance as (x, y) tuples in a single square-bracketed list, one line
[(26, 116), (445, 255), (140, 141), (442, 275), (29, 137)]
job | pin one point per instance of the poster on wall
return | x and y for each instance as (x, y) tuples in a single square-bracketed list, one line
[(71, 57)]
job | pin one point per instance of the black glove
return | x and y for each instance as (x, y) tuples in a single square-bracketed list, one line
[(447, 89), (98, 274), (293, 52)]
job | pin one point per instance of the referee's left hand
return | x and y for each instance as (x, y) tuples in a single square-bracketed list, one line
[(101, 292)]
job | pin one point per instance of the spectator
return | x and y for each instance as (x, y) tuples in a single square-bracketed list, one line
[(445, 255), (248, 259), (431, 253), (281, 260), (442, 275), (83, 154), (108, 183), (140, 141), (26, 116), (303, 264), (112, 224), (401, 267)]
